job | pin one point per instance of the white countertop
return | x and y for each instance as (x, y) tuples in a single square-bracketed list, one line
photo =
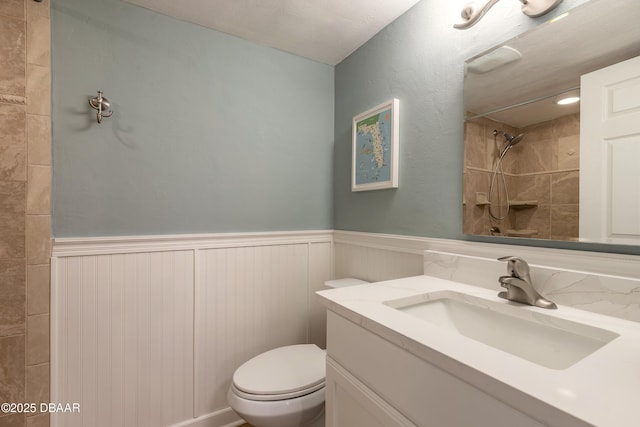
[(602, 389)]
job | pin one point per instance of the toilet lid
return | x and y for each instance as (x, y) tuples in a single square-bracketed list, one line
[(283, 370)]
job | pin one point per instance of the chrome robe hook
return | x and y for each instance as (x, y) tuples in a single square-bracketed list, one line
[(103, 106)]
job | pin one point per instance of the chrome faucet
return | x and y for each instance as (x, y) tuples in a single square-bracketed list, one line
[(518, 285)]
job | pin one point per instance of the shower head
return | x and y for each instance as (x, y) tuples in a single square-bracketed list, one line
[(511, 141)]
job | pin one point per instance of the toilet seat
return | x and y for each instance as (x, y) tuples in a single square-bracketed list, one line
[(275, 397), (282, 373)]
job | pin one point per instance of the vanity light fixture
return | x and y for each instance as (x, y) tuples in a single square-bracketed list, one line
[(471, 13)]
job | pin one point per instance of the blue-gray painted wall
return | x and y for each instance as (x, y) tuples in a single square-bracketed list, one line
[(210, 133)]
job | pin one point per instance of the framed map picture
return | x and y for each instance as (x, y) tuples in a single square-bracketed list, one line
[(375, 148)]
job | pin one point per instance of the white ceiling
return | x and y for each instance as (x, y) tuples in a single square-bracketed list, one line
[(323, 30)]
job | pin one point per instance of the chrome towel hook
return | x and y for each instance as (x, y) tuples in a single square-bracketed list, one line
[(101, 104)]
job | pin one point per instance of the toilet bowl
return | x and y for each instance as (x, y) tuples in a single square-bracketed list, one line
[(283, 387)]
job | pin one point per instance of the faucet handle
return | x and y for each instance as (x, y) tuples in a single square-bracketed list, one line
[(516, 266)]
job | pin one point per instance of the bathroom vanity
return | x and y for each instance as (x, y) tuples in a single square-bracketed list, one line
[(426, 351)]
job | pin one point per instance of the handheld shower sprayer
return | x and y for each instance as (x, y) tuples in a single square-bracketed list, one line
[(511, 141)]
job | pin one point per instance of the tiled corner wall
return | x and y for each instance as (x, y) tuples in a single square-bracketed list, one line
[(544, 167), (25, 181)]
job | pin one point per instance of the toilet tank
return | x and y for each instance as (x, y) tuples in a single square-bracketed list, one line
[(319, 312)]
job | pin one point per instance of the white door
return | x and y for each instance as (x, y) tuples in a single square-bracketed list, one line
[(610, 154)]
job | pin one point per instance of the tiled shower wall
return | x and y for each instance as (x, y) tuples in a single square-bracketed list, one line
[(544, 167), (25, 181), (480, 153)]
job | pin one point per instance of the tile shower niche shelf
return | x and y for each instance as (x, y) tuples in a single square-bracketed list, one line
[(523, 204), (525, 232), (481, 199)]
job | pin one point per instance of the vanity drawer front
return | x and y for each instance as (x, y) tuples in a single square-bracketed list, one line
[(425, 394), (350, 403)]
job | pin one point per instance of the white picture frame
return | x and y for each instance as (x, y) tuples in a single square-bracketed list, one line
[(375, 147)]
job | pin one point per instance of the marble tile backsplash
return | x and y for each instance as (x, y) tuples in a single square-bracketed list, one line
[(610, 295)]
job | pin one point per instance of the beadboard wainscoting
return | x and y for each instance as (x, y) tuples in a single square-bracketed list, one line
[(377, 257), (147, 331)]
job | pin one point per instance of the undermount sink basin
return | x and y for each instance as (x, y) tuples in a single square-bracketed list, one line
[(532, 335)]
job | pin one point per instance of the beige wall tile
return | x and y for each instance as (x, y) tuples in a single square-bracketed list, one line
[(12, 297), (533, 187), (39, 41), (39, 140), (535, 151), (13, 420), (534, 219), (13, 142), (12, 219), (38, 384), (14, 8), (12, 374), (38, 289), (37, 10), (568, 153), (565, 188), (474, 145), (38, 90), (566, 126), (38, 229), (565, 222), (475, 182), (37, 339), (39, 190), (534, 155), (40, 420), (12, 55)]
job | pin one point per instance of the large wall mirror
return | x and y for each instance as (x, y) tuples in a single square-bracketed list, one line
[(523, 165)]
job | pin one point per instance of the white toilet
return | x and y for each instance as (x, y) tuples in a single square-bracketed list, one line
[(283, 387)]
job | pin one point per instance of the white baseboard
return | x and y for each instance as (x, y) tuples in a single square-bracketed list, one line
[(223, 418)]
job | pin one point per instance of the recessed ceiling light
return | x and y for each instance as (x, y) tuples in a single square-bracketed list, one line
[(568, 100)]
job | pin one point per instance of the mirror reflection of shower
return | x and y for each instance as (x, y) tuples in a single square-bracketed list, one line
[(499, 199)]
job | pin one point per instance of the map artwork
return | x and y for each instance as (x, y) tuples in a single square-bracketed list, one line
[(373, 139)]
